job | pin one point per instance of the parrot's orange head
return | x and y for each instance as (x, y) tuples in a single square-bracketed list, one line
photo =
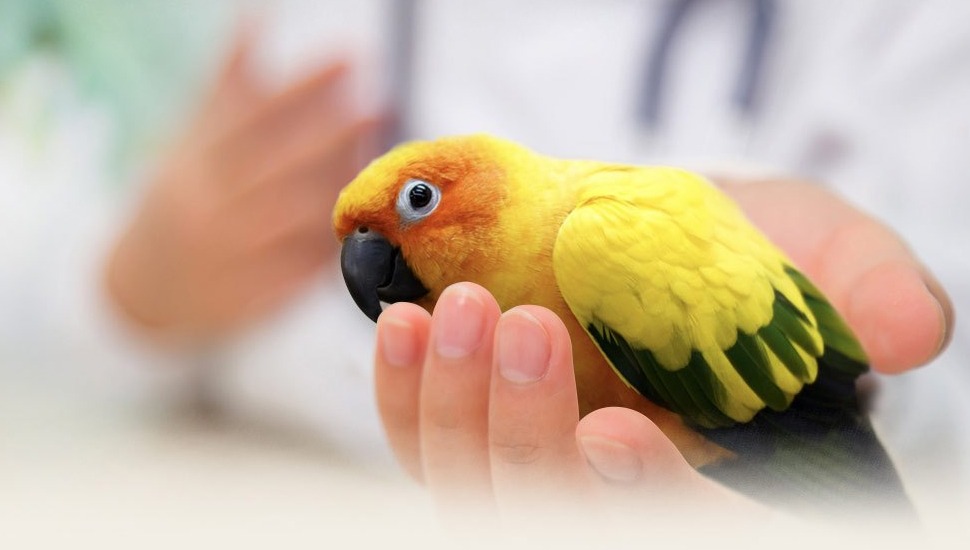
[(422, 217)]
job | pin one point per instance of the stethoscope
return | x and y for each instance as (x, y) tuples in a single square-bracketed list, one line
[(649, 107)]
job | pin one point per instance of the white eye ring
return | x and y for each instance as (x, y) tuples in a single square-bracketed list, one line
[(417, 200)]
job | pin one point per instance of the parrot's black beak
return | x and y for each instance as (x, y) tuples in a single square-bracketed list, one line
[(376, 272)]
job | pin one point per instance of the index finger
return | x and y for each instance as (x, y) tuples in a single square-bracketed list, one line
[(402, 336)]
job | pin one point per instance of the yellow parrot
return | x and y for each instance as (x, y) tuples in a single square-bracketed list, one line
[(676, 304)]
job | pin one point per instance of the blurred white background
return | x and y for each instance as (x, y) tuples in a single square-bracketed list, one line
[(102, 433)]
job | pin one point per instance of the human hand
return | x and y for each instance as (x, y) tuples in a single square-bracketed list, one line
[(238, 217), (899, 311), (471, 433), (482, 407)]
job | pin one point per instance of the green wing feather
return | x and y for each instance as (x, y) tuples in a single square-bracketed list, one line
[(695, 392), (842, 349), (777, 389), (820, 454), (689, 303)]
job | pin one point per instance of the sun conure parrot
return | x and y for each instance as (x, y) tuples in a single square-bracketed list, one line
[(676, 304)]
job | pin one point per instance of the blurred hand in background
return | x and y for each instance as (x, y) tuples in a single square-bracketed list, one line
[(237, 218)]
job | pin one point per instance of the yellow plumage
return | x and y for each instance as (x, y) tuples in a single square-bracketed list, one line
[(670, 264), (655, 272)]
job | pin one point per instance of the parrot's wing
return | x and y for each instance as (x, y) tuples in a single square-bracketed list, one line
[(691, 305)]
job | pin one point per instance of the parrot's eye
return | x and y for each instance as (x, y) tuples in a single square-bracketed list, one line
[(419, 196), (417, 199)]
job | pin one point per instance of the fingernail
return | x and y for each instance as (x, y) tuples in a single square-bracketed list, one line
[(946, 309), (398, 345), (613, 461), (458, 323), (523, 347)]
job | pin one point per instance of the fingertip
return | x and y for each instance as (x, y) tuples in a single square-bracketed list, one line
[(899, 320), (612, 460), (401, 334), (521, 347), (530, 340), (467, 290), (626, 425), (245, 32), (946, 305), (403, 311), (626, 450), (622, 445), (561, 347), (551, 322), (463, 318)]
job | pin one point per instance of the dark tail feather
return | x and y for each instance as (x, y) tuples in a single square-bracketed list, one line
[(820, 456)]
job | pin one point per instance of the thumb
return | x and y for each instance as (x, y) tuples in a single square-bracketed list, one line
[(629, 455), (624, 448)]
